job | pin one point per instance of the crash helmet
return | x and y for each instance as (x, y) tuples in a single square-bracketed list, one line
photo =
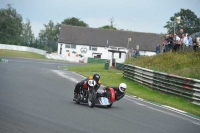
[(96, 77), (122, 87)]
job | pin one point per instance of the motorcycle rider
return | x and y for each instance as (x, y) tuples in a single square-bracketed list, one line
[(95, 77), (119, 91)]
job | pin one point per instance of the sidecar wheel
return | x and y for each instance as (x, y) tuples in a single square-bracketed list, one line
[(109, 105)]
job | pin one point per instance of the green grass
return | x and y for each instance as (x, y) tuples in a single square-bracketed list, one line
[(115, 77), (183, 64), (13, 53)]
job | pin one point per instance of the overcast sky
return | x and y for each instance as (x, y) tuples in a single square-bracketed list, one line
[(134, 15)]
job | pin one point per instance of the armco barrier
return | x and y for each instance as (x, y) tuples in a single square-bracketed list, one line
[(107, 65), (168, 83), (119, 66)]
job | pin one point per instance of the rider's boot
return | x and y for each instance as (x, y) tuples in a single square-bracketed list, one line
[(75, 96)]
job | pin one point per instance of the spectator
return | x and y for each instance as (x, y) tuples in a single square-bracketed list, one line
[(166, 43), (189, 40), (184, 40), (137, 53), (180, 33), (158, 49), (195, 43), (177, 42), (170, 40)]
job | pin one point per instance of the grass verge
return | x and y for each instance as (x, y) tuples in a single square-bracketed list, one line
[(14, 53), (182, 64), (115, 77)]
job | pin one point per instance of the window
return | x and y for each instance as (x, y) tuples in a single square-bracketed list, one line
[(67, 45), (97, 56), (93, 48), (72, 46)]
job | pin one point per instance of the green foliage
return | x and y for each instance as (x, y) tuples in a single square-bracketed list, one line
[(74, 22), (49, 36), (10, 26), (190, 23), (182, 64), (108, 27), (27, 34)]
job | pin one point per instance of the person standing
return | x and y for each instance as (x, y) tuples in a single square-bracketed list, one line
[(184, 40), (195, 43), (180, 33), (158, 49), (166, 43), (177, 42), (170, 44), (189, 40)]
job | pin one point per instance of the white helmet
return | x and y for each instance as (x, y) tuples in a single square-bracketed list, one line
[(122, 87)]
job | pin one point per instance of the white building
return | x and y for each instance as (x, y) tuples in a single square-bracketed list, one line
[(78, 43)]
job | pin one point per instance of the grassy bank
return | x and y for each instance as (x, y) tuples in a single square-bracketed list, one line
[(13, 53), (115, 77), (182, 64)]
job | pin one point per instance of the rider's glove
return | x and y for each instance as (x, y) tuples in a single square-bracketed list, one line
[(105, 88)]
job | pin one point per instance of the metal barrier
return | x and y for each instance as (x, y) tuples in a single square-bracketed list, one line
[(107, 65), (168, 83), (119, 66), (96, 60)]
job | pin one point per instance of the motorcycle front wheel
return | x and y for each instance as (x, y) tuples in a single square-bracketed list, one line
[(92, 98)]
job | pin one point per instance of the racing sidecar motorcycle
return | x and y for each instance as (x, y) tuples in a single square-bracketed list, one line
[(88, 95)]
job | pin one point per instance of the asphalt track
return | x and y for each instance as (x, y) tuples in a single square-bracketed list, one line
[(36, 97)]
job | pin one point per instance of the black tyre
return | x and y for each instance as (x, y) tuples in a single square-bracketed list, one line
[(78, 100), (109, 105), (92, 98)]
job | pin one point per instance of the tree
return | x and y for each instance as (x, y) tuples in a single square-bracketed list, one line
[(190, 23), (10, 26), (74, 22), (111, 27), (108, 27), (27, 34), (49, 36)]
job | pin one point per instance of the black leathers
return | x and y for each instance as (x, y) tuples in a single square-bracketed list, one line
[(80, 84)]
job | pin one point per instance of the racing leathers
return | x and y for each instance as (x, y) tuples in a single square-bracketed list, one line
[(118, 93), (80, 84)]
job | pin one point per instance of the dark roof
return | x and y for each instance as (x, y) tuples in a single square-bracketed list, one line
[(98, 37)]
